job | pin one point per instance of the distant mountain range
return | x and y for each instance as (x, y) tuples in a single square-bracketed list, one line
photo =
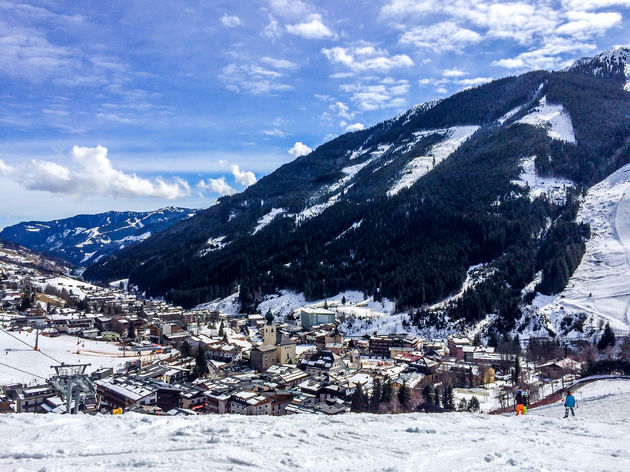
[(462, 210), (84, 239)]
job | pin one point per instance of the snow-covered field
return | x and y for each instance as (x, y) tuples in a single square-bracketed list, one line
[(600, 286), (77, 287), (68, 349), (596, 440)]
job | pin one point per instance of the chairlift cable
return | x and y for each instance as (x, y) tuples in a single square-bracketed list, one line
[(38, 350), (24, 371)]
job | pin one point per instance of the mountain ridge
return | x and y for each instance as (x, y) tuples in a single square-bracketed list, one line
[(86, 238), (325, 222)]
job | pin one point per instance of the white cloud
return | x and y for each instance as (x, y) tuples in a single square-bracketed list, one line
[(273, 29), (388, 93), (91, 174), (444, 36), (313, 28), (441, 90), (366, 58), (454, 72), (401, 9), (585, 25), (245, 178), (278, 133), (593, 4), (278, 63), (219, 186), (300, 149), (355, 127), (547, 56), (230, 21), (342, 110), (289, 8), (253, 78), (473, 81)]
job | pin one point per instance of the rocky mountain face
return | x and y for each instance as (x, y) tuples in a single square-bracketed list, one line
[(467, 204), (84, 239)]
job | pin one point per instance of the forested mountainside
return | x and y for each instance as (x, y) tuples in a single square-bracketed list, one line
[(83, 239), (489, 177)]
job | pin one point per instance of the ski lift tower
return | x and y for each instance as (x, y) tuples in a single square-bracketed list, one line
[(72, 383)]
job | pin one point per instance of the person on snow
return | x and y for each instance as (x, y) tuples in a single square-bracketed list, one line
[(525, 402), (569, 403), (520, 403)]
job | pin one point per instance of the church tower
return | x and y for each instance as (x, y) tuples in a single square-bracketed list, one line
[(269, 330)]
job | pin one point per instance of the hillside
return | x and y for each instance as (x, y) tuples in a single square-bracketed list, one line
[(14, 257), (84, 239), (489, 177), (542, 440)]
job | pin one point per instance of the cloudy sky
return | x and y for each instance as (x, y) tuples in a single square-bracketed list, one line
[(131, 105)]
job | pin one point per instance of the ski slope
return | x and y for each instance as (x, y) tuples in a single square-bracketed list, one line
[(600, 286), (541, 441), (67, 349)]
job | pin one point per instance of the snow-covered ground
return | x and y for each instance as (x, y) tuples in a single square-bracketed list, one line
[(268, 218), (510, 114), (554, 118), (68, 349), (596, 440), (453, 138), (554, 187), (600, 286), (77, 287)]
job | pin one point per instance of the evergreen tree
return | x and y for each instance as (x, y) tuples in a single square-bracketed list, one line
[(462, 405), (447, 398), (186, 350), (359, 399), (343, 300), (27, 300), (473, 404), (388, 391), (516, 371), (404, 393), (426, 393), (222, 329), (608, 338), (436, 396), (377, 395), (131, 332), (201, 364)]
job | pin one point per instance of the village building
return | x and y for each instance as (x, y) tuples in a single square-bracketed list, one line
[(310, 317), (382, 345)]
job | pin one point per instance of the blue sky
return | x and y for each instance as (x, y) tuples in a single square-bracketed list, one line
[(132, 105)]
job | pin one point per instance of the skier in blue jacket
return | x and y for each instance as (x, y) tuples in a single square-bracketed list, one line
[(569, 403)]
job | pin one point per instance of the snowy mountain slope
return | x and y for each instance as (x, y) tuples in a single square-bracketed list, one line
[(554, 188), (14, 257), (419, 166), (600, 287), (84, 239), (361, 213), (540, 441), (552, 117), (614, 62)]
